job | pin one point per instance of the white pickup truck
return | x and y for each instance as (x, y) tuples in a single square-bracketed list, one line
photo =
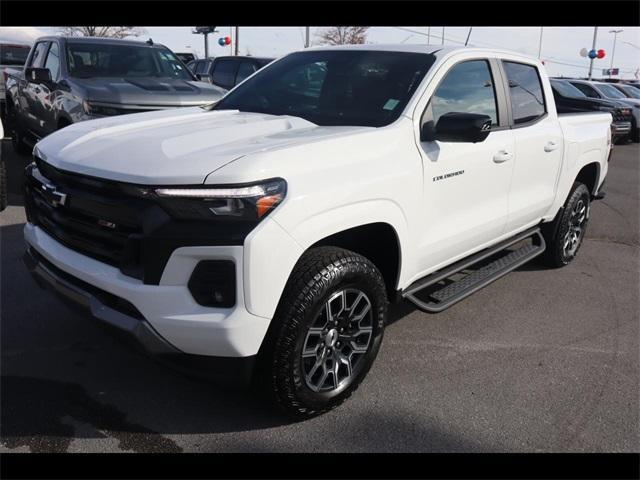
[(265, 234)]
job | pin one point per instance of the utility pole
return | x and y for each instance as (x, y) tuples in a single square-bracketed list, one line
[(237, 42), (204, 31), (428, 35), (593, 47), (442, 36), (540, 44), (613, 52), (306, 36)]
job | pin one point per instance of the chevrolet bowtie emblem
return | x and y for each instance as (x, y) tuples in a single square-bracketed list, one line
[(53, 196)]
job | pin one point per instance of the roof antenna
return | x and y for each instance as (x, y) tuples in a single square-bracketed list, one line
[(149, 42)]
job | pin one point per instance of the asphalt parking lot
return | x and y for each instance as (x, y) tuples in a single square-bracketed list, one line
[(541, 360)]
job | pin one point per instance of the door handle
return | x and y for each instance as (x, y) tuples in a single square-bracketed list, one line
[(502, 156), (550, 146)]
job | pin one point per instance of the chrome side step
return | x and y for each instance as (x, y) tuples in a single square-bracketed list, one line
[(440, 297)]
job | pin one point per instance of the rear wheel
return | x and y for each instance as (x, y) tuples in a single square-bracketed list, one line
[(327, 331), (563, 246)]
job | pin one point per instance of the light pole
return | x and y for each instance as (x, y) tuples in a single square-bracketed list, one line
[(237, 42), (306, 36), (613, 52), (540, 44), (205, 31), (442, 36), (428, 35), (593, 47)]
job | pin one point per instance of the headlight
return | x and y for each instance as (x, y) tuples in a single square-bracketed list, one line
[(100, 110), (240, 202)]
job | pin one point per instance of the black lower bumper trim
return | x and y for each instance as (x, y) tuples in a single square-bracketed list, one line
[(117, 312)]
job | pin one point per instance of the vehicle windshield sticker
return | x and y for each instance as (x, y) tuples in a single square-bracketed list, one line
[(391, 104)]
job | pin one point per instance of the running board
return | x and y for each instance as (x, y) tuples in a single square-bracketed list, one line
[(448, 294)]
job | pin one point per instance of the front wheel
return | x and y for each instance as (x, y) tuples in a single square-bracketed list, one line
[(563, 247), (328, 330)]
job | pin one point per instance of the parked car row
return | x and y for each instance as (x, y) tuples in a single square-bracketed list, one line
[(65, 80), (624, 94)]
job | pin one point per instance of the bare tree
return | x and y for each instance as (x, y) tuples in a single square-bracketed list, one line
[(110, 32), (343, 35)]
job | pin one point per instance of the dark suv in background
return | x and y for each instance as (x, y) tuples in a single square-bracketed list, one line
[(570, 99), (227, 71)]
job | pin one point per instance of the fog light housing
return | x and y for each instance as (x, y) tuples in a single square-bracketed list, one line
[(213, 283)]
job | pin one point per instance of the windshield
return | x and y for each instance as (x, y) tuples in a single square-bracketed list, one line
[(567, 90), (630, 91), (334, 87), (87, 60), (610, 91), (13, 54)]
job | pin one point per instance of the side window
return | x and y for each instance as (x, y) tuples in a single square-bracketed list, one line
[(224, 72), (244, 70), (588, 90), (525, 87), (468, 88), (201, 66), (38, 55), (53, 61)]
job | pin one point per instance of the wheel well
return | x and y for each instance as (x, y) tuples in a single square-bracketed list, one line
[(63, 122), (589, 176), (376, 241)]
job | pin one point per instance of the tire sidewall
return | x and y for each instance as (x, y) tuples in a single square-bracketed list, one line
[(579, 192), (350, 274)]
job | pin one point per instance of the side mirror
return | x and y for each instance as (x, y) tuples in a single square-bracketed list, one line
[(203, 77), (38, 75), (457, 127)]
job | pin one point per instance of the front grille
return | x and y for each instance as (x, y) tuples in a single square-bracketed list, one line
[(97, 218)]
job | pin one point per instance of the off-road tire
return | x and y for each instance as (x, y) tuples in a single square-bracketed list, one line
[(320, 273), (555, 233)]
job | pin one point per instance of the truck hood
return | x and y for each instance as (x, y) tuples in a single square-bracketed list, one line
[(174, 147), (148, 91)]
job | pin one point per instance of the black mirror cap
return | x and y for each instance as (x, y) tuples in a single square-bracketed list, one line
[(461, 127), (37, 75)]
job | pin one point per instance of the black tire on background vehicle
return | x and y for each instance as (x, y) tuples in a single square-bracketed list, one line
[(569, 228), (327, 331), (17, 142), (3, 185)]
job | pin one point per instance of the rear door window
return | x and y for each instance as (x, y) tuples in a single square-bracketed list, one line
[(245, 70), (525, 87), (588, 90), (224, 72)]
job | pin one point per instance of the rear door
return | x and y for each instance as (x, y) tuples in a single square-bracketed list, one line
[(539, 145), (466, 185)]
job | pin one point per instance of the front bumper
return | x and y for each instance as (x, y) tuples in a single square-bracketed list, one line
[(168, 310)]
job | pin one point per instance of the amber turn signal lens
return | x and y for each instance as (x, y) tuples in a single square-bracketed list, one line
[(264, 204)]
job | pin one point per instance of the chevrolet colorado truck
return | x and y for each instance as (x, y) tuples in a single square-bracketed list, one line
[(70, 79), (264, 235)]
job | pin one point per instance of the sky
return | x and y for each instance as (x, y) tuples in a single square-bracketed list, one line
[(560, 45)]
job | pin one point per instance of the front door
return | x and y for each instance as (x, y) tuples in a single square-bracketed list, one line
[(466, 184)]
